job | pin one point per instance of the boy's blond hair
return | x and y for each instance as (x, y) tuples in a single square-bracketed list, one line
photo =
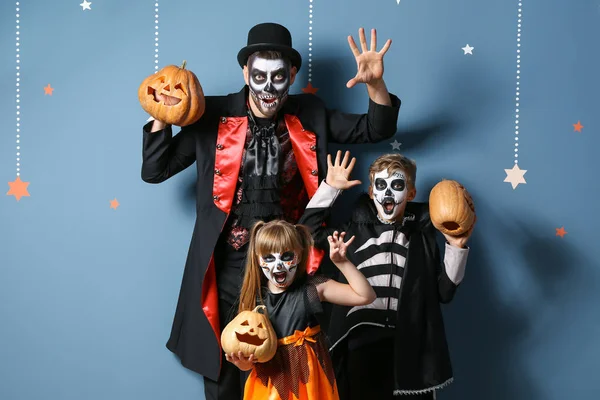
[(394, 162)]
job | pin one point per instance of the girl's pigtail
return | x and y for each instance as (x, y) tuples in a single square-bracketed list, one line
[(307, 243), (251, 286)]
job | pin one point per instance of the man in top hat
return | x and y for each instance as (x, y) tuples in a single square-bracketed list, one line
[(260, 154)]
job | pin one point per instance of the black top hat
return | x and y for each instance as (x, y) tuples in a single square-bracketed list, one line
[(270, 36)]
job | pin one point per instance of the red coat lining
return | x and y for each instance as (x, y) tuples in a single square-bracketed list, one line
[(231, 137)]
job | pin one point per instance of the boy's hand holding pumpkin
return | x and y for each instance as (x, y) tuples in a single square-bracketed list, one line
[(459, 241), (452, 211)]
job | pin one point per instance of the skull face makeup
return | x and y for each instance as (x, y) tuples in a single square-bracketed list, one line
[(389, 194), (269, 82), (280, 269)]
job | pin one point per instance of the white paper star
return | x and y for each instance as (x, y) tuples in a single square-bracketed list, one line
[(468, 49), (86, 5), (395, 145), (397, 1), (515, 175)]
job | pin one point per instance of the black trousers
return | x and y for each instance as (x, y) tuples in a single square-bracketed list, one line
[(229, 264), (369, 374), (230, 385)]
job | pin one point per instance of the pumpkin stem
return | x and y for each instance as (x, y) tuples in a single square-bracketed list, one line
[(183, 65), (262, 309)]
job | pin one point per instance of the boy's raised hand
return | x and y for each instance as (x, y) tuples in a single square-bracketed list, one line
[(337, 247), (338, 172)]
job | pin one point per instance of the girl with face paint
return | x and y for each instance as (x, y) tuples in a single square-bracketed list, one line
[(276, 277)]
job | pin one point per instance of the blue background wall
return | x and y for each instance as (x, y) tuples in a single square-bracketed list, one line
[(87, 292)]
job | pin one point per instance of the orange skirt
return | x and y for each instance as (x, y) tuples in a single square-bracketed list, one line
[(301, 370)]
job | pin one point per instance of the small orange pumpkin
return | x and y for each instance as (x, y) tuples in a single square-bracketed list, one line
[(451, 208), (183, 102), (250, 332)]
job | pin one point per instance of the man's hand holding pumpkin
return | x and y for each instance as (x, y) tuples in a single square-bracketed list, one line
[(172, 96), (167, 100)]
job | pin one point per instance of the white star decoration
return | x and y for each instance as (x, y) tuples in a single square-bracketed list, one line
[(86, 5), (515, 176), (395, 145), (468, 49), (397, 1)]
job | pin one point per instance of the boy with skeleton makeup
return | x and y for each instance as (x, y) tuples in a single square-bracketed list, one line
[(396, 345), (260, 155)]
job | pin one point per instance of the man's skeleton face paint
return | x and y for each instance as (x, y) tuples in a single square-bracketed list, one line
[(269, 82), (389, 193), (279, 268)]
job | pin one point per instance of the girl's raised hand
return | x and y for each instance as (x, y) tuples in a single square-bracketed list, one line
[(337, 247), (243, 363), (358, 291)]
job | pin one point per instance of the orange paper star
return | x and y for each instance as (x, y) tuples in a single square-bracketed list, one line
[(48, 90), (18, 188), (310, 88), (561, 231), (114, 203), (577, 127)]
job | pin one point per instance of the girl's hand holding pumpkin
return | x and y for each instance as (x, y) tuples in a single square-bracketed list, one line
[(243, 363)]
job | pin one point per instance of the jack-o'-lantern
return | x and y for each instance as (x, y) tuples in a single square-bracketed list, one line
[(173, 95), (451, 208), (250, 332)]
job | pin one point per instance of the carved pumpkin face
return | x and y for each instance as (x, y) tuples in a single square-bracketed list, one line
[(451, 208), (173, 95), (250, 332)]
